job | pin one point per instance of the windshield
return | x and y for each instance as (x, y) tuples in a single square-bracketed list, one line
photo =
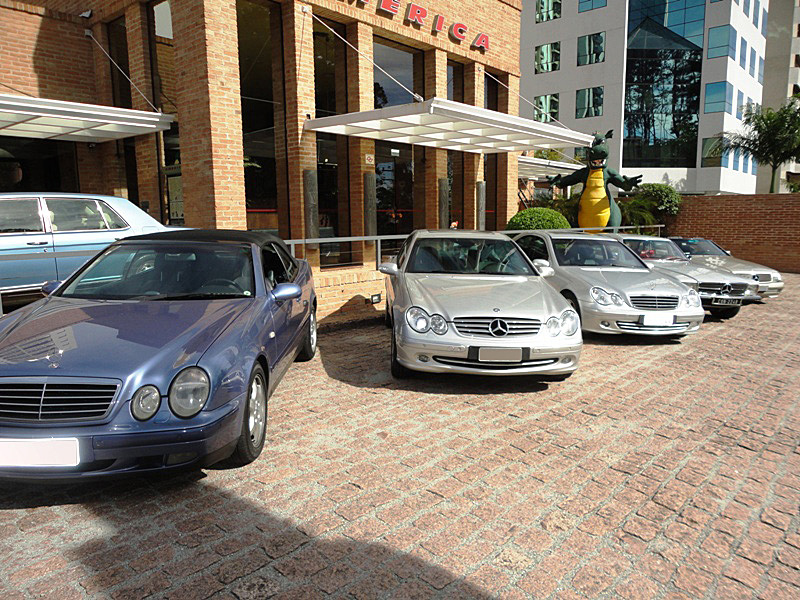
[(166, 272), (594, 253), (700, 246), (655, 249), (468, 256)]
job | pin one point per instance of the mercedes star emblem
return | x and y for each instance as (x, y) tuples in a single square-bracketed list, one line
[(498, 328), (496, 310), (727, 289)]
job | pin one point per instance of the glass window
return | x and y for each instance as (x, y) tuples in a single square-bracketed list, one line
[(725, 159), (591, 48), (68, 214), (756, 12), (745, 163), (711, 156), (547, 10), (584, 5), (746, 7), (722, 42), (547, 58), (760, 70), (736, 155), (275, 270), (31, 165), (754, 167), (546, 108), (739, 104), (655, 249), (743, 54), (534, 247), (455, 81), (764, 22), (403, 63), (20, 216), (467, 256), (752, 62), (589, 102), (588, 253), (719, 97), (113, 219)]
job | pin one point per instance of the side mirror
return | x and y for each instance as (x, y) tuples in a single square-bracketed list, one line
[(389, 268), (544, 268), (650, 266), (687, 254), (286, 291), (49, 287)]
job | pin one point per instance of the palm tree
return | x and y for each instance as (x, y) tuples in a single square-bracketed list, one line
[(771, 137)]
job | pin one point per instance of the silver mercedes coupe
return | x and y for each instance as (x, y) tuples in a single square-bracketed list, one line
[(472, 302), (705, 252), (721, 291), (612, 289)]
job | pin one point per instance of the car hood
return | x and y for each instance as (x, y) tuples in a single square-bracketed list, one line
[(93, 338), (737, 265), (626, 281), (455, 296), (696, 271)]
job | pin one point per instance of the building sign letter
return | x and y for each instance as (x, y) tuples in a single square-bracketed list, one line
[(390, 6), (458, 31), (438, 23), (482, 41), (416, 14)]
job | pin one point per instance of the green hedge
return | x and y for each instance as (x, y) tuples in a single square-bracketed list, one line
[(537, 218)]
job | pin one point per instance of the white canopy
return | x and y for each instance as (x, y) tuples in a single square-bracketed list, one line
[(531, 167), (440, 123), (40, 118)]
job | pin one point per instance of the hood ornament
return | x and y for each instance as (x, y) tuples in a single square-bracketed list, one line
[(495, 310), (498, 328)]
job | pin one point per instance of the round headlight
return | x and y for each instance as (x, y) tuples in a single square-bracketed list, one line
[(189, 392), (692, 298), (145, 402), (438, 324), (553, 326), (600, 296), (418, 319), (570, 322)]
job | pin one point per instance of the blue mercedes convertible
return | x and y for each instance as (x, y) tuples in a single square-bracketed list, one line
[(160, 353)]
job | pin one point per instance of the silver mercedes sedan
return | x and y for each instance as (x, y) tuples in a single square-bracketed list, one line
[(705, 252), (612, 289), (721, 291), (472, 302)]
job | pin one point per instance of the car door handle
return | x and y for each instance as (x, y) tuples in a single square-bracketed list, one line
[(38, 243)]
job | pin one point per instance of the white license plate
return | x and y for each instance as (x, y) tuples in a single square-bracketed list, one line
[(658, 320), (54, 452), (500, 354), (727, 301)]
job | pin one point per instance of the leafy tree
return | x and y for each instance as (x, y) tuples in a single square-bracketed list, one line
[(771, 137), (662, 197), (637, 210)]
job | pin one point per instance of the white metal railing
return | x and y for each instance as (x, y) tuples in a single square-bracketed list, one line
[(378, 240)]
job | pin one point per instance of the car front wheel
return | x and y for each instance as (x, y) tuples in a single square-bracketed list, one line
[(309, 347), (254, 423), (398, 370)]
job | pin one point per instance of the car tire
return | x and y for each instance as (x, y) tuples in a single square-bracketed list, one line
[(727, 312), (254, 422), (398, 371), (387, 316), (309, 347)]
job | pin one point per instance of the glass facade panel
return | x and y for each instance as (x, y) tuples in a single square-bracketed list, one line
[(584, 5), (719, 97), (736, 155), (547, 10), (745, 163), (405, 64), (760, 70), (711, 155), (756, 12), (546, 108), (547, 58), (261, 85), (31, 165), (752, 62), (739, 104), (686, 18), (746, 7), (455, 81), (589, 103), (764, 22), (722, 42), (743, 54), (592, 48)]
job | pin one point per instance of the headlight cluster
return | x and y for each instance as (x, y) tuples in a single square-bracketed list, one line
[(605, 298), (777, 276), (752, 289), (568, 323), (188, 394), (421, 322), (692, 299)]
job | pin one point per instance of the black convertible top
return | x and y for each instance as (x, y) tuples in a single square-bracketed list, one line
[(210, 235)]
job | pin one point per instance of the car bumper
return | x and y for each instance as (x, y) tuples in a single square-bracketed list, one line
[(771, 289), (722, 301), (630, 320), (105, 453), (455, 354)]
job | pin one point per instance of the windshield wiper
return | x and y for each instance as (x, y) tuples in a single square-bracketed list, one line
[(195, 296)]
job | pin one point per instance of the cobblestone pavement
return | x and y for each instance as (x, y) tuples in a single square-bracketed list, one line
[(662, 469)]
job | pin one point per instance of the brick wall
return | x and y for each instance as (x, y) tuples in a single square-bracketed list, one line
[(759, 228), (342, 295)]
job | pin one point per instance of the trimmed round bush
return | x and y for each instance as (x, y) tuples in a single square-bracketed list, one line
[(537, 218), (662, 196)]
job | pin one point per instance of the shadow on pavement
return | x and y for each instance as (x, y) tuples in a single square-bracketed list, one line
[(360, 356), (180, 536)]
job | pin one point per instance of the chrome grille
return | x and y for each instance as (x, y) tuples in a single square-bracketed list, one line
[(655, 302), (635, 326), (55, 401), (480, 325), (737, 289)]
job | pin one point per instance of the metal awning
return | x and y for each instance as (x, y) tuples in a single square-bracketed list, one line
[(23, 116), (531, 167), (440, 123)]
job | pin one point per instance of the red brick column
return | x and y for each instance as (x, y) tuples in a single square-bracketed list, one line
[(473, 171), (209, 110), (435, 159), (140, 73), (507, 163), (360, 96)]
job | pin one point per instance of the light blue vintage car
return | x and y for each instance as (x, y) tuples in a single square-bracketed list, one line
[(47, 237)]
